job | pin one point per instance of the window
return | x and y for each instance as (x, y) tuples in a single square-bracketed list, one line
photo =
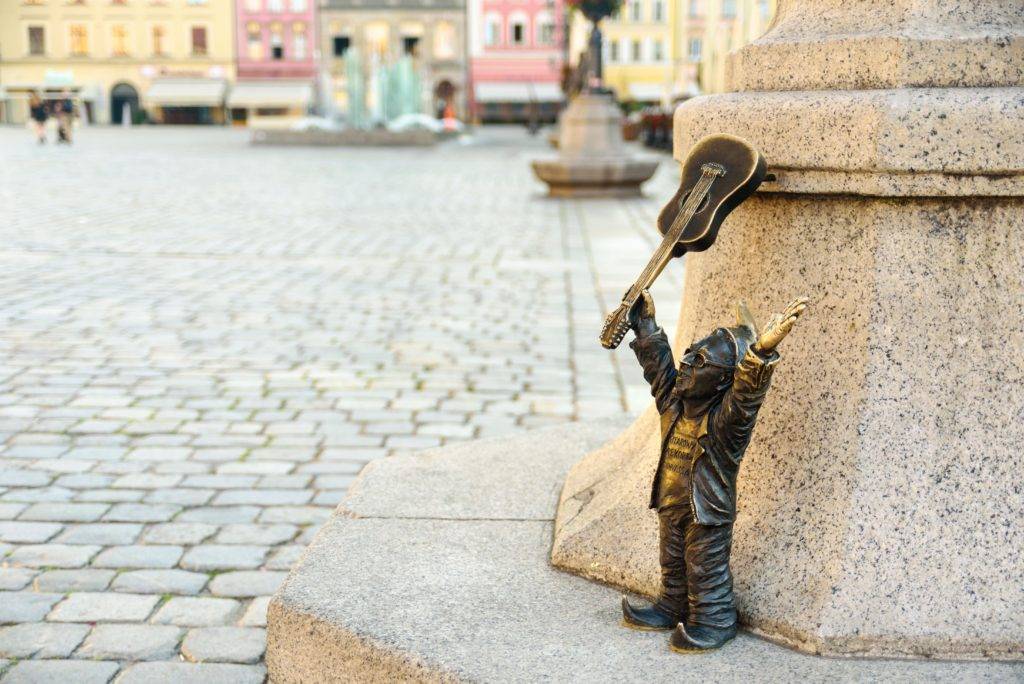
[(410, 45), (517, 33), (765, 9), (694, 8), (275, 5), (635, 11), (36, 40), (298, 40), (298, 5), (198, 40), (119, 40), (79, 40), (253, 5), (276, 42), (492, 31), (636, 53), (158, 40), (444, 40), (341, 45), (729, 9), (658, 11), (613, 51), (254, 41), (545, 32), (657, 51), (695, 48)]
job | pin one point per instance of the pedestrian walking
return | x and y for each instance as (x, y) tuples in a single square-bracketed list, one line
[(65, 109), (39, 114)]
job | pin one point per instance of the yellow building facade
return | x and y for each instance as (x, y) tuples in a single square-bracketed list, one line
[(657, 51), (637, 49), (706, 31), (172, 58)]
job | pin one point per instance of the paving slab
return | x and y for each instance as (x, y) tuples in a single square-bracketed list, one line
[(52, 555), (476, 600), (197, 612), (32, 532), (189, 673), (41, 640), (12, 579), (25, 606), (61, 672), (86, 579), (104, 607), (224, 645), (246, 583), (160, 582), (131, 643)]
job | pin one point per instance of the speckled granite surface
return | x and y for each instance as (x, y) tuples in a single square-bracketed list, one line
[(881, 509), (879, 503), (868, 44)]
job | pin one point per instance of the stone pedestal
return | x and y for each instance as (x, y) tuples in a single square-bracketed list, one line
[(435, 569), (593, 160), (881, 510)]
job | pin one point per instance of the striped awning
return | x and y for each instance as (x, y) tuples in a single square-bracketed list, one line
[(186, 92), (647, 92), (517, 92), (248, 94)]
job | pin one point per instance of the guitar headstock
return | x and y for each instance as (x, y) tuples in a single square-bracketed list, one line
[(616, 325)]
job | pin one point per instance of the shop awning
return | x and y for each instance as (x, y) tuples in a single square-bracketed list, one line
[(186, 92), (248, 94), (646, 92), (517, 92)]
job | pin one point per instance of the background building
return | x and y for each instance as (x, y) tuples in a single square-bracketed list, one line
[(638, 49), (660, 50), (174, 58), (517, 50), (381, 32), (705, 31), (276, 47)]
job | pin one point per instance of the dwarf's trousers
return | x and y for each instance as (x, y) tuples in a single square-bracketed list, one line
[(696, 583)]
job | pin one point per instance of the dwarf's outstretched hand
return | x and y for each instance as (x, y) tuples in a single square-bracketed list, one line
[(780, 325)]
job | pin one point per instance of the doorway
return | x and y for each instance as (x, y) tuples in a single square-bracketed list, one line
[(124, 99)]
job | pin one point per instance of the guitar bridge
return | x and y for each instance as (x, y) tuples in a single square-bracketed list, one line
[(713, 168)]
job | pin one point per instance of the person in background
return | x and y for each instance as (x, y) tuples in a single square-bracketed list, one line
[(39, 114), (65, 110)]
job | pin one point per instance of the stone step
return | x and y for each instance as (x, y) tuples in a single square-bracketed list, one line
[(435, 568)]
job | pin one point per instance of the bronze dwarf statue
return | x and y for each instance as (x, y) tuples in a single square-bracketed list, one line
[(708, 407)]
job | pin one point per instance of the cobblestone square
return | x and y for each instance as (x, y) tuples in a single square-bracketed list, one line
[(195, 364)]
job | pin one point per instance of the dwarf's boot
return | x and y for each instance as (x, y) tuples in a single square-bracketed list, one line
[(670, 608), (649, 617), (698, 638)]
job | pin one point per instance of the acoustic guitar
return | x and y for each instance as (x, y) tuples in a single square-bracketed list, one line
[(719, 173)]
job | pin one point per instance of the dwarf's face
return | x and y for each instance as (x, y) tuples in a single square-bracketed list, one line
[(706, 368)]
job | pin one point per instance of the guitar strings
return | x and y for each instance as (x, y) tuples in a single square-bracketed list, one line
[(675, 231)]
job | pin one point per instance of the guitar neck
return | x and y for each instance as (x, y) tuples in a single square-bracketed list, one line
[(663, 254)]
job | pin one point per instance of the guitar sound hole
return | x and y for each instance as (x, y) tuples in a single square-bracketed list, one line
[(703, 202)]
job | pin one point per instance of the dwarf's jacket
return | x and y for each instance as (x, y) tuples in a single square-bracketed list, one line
[(725, 429)]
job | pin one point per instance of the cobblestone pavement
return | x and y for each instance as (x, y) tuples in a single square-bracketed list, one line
[(202, 343)]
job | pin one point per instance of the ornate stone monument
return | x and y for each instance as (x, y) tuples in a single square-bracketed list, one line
[(881, 505)]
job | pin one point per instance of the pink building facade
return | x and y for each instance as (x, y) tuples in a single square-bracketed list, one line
[(517, 50), (276, 39)]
